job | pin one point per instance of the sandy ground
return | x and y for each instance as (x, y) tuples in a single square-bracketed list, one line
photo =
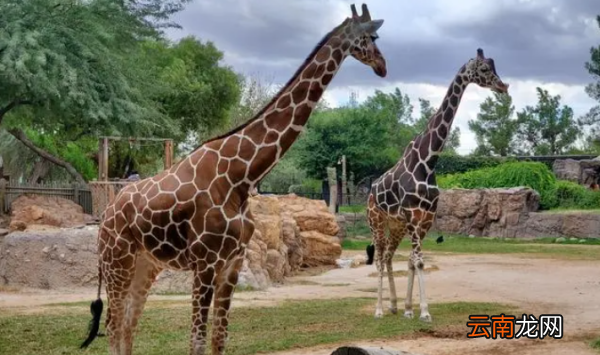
[(538, 286)]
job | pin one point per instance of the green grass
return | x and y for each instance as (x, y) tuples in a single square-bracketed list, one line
[(590, 250), (595, 344), (353, 208), (293, 324), (571, 210)]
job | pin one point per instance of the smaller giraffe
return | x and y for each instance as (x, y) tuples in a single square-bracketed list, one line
[(404, 199)]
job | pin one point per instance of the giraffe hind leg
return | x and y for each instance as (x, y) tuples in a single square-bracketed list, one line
[(144, 275), (118, 265)]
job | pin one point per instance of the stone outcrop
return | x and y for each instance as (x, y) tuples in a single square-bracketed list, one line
[(509, 213), (585, 172), (485, 212), (46, 211), (291, 233)]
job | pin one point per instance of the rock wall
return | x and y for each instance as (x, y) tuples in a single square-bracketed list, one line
[(47, 211), (509, 213), (484, 212), (291, 233), (584, 172)]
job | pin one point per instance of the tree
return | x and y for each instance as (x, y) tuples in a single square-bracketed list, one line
[(548, 128), (495, 126), (426, 111), (73, 70), (592, 118)]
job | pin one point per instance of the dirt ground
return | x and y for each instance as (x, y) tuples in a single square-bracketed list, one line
[(536, 285)]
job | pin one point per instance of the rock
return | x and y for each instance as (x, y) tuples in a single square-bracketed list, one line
[(68, 257), (567, 169), (344, 263), (341, 221), (320, 248), (36, 210), (358, 260)]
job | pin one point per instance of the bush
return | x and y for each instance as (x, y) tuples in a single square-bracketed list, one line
[(529, 174), (454, 164), (536, 175)]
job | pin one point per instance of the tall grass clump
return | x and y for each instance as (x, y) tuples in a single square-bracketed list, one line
[(534, 175)]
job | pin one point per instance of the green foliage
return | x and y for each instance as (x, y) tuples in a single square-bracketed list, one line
[(547, 128), (513, 174), (372, 135), (453, 164), (553, 193), (495, 127)]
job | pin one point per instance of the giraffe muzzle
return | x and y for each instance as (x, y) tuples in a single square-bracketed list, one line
[(500, 87), (380, 68)]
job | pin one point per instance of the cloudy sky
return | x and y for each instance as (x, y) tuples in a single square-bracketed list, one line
[(533, 42)]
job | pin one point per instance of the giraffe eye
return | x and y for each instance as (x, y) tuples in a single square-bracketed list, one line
[(374, 37)]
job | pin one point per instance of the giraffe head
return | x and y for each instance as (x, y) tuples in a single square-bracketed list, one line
[(482, 71), (362, 33)]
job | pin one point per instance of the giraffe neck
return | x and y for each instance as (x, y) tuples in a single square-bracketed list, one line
[(433, 139), (262, 141)]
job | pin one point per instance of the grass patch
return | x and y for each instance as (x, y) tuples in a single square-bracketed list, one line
[(293, 324), (358, 229), (595, 344), (402, 273), (572, 210), (590, 250), (353, 208)]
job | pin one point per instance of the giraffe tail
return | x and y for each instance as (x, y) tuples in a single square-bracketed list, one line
[(96, 310), (370, 254)]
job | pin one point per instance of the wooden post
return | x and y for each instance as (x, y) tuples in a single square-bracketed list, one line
[(76, 193), (3, 184), (168, 161), (344, 199), (103, 159), (331, 175)]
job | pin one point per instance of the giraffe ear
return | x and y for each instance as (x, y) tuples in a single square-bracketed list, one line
[(371, 26)]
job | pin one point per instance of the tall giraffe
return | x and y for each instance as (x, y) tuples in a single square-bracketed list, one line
[(404, 199), (194, 216)]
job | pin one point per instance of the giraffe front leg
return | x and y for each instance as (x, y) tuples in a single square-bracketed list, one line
[(223, 297), (202, 295), (408, 308), (397, 231), (376, 224)]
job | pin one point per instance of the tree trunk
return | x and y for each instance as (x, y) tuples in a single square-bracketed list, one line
[(353, 350), (40, 170), (20, 135)]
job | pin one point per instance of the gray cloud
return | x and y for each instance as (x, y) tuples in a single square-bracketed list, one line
[(543, 40)]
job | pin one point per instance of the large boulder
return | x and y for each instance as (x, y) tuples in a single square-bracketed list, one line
[(291, 233), (490, 212), (31, 211)]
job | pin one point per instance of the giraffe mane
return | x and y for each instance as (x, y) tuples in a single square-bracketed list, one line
[(306, 62)]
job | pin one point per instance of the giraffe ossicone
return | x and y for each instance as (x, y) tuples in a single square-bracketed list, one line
[(195, 216), (404, 199)]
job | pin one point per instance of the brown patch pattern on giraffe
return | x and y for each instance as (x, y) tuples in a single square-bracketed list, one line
[(195, 216)]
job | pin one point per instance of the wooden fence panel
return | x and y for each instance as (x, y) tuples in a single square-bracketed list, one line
[(79, 194)]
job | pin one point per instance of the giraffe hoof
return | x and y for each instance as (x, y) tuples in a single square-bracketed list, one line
[(408, 314), (378, 314), (394, 310), (425, 318)]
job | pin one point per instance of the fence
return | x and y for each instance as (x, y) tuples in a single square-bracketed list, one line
[(79, 194), (103, 192)]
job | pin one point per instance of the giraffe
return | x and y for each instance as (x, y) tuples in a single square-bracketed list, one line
[(404, 199), (195, 216)]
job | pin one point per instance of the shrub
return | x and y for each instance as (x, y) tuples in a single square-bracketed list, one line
[(454, 164), (529, 174)]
